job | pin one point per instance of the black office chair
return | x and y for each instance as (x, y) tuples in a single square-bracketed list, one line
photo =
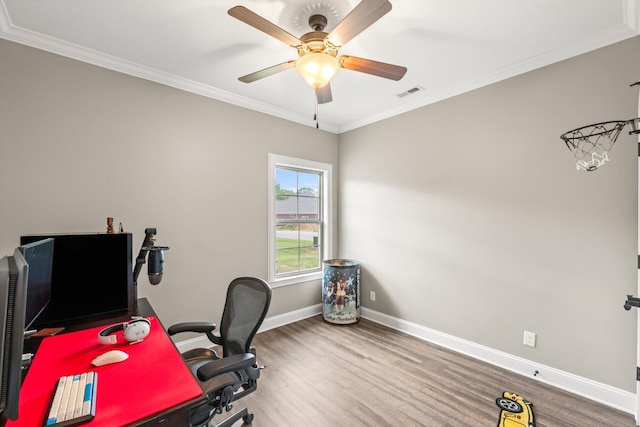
[(234, 375)]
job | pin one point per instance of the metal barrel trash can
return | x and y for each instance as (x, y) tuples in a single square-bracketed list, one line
[(341, 291)]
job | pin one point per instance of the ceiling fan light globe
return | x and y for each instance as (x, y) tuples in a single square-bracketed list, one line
[(317, 69)]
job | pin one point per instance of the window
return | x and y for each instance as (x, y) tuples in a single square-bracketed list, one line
[(299, 219)]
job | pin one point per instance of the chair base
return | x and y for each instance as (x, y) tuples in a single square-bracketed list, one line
[(247, 419)]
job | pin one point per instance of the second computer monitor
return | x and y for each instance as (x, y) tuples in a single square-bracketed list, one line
[(39, 256)]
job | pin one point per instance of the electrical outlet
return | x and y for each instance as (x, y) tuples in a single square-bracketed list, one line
[(372, 295), (529, 338)]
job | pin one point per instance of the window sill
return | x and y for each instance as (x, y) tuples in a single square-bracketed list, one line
[(293, 280)]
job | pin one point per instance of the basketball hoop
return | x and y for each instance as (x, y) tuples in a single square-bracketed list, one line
[(590, 144)]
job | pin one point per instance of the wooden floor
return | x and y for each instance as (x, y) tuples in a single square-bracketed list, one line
[(366, 374)]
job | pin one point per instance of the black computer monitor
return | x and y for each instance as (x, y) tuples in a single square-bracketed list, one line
[(92, 274), (14, 274), (39, 257)]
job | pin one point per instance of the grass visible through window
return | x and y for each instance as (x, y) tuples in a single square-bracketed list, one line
[(290, 257)]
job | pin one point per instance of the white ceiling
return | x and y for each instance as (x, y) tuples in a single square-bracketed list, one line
[(448, 46)]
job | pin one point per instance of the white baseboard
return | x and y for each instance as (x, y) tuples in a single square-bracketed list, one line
[(190, 344), (593, 390), (290, 317), (269, 323)]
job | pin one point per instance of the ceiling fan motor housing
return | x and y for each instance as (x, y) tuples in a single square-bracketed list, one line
[(316, 42), (317, 22)]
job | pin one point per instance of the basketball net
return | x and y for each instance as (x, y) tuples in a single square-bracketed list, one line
[(591, 144)]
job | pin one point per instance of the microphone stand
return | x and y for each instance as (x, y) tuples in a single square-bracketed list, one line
[(147, 245)]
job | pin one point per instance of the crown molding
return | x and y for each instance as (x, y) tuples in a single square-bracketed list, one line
[(11, 32), (16, 34), (605, 38)]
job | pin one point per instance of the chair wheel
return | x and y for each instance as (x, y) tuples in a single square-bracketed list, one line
[(248, 419)]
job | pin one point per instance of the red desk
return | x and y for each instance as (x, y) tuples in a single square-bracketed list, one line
[(153, 380)]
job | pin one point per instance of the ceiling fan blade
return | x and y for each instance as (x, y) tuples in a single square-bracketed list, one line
[(323, 94), (249, 78), (375, 68), (364, 14), (259, 23)]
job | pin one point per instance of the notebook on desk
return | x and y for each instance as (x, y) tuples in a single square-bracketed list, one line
[(154, 378)]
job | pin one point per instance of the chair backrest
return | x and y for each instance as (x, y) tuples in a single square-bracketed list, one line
[(247, 303)]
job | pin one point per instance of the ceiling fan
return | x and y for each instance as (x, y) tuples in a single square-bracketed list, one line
[(318, 61)]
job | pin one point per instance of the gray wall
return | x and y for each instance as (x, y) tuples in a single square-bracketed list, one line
[(79, 143), (469, 217)]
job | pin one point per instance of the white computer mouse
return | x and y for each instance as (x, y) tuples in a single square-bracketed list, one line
[(111, 356)]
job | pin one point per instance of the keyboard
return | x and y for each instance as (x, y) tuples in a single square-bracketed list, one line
[(73, 401)]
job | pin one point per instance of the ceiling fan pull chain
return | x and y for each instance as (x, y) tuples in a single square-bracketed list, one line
[(315, 115)]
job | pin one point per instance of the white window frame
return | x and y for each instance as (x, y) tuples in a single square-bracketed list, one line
[(275, 161)]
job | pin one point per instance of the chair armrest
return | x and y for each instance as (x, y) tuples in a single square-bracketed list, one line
[(233, 363), (198, 327)]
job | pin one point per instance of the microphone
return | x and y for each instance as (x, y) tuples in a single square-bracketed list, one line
[(156, 259), (154, 267)]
